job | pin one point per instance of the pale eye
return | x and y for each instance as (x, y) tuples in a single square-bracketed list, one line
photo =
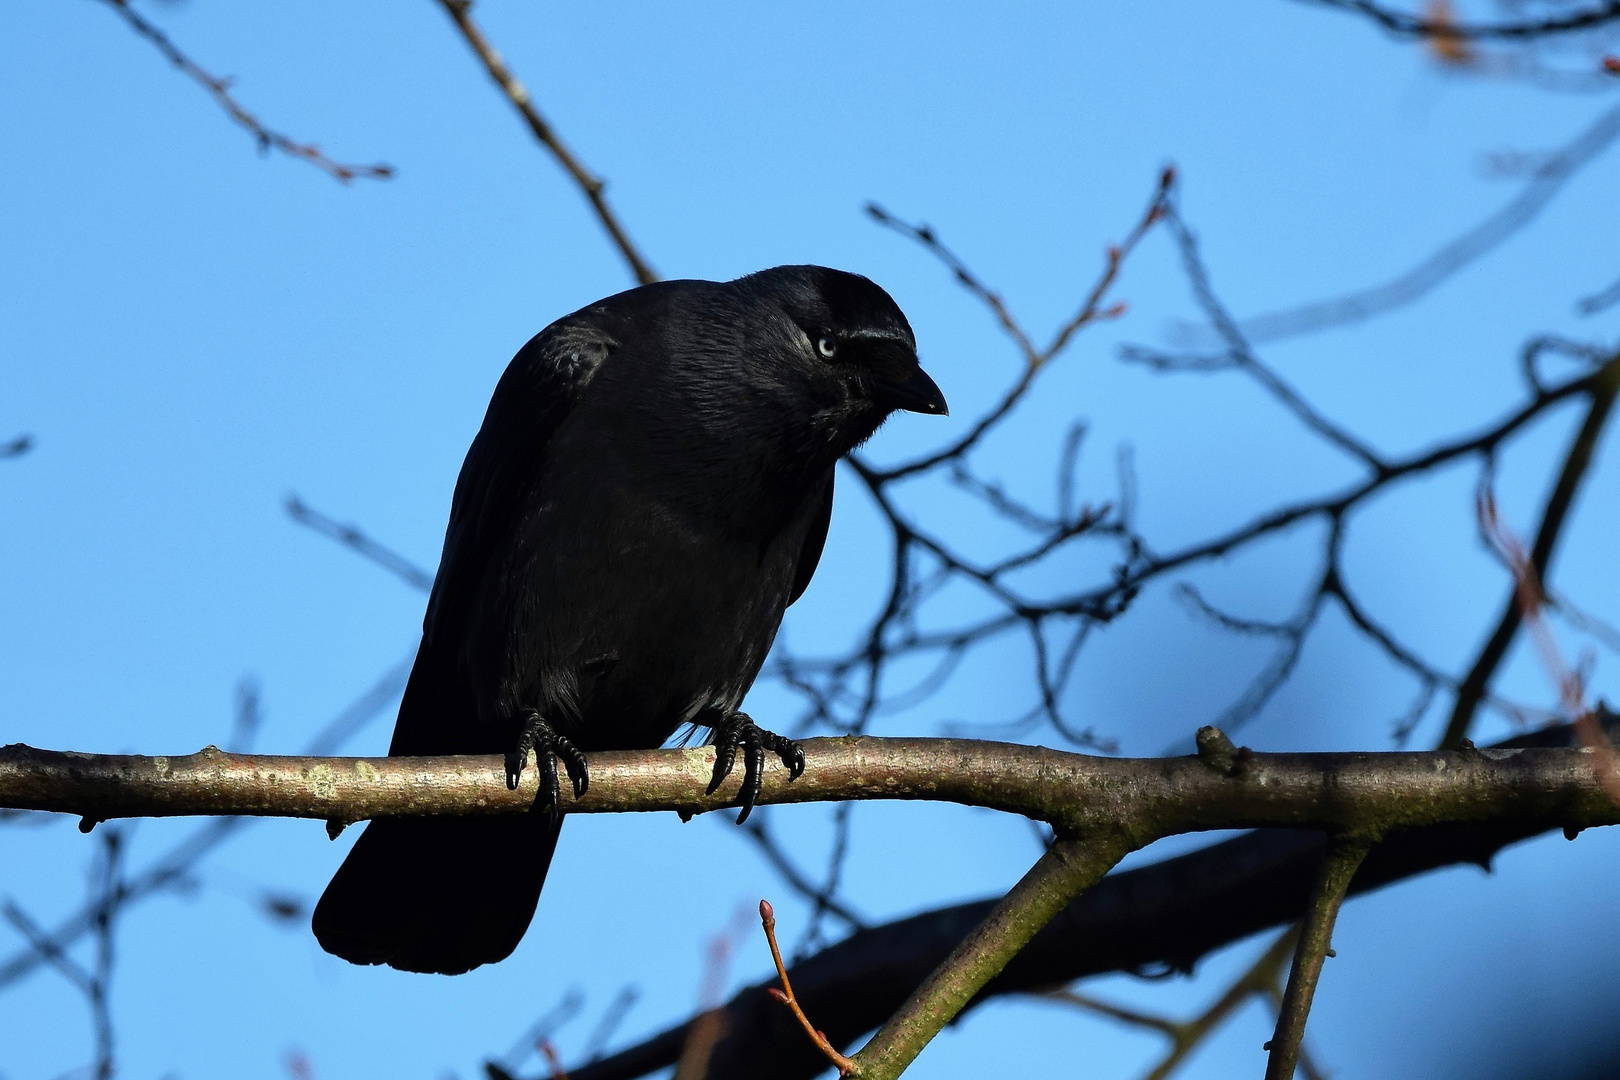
[(827, 347)]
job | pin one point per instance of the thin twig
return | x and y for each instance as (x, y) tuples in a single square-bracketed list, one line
[(175, 865), (356, 540), (712, 1021), (548, 1050), (1605, 385), (758, 829), (1569, 683), (1407, 25), (1459, 252), (1242, 355), (592, 185), (220, 90), (609, 1023), (767, 918), (1259, 979), (107, 886), (1315, 945), (541, 1031), (1035, 359)]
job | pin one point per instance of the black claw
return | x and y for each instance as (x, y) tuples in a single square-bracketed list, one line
[(738, 730), (791, 753), (548, 745), (725, 756), (753, 769), (579, 774)]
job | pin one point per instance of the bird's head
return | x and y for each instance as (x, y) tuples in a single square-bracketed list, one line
[(850, 345)]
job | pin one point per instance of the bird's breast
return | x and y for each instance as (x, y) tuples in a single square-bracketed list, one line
[(685, 608)]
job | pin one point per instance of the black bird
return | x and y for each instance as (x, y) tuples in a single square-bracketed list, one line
[(651, 488)]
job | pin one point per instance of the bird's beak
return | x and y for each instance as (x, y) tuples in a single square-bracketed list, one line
[(912, 391)]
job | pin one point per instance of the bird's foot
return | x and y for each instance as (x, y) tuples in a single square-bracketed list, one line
[(739, 730), (548, 746)]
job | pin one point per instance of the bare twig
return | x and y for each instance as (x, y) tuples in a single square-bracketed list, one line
[(1544, 184), (1582, 620), (539, 1033), (220, 90), (1417, 26), (1315, 945), (609, 1023), (822, 898), (356, 540), (592, 185), (767, 919), (1605, 385), (175, 866), (1242, 357), (1258, 980), (712, 1022), (1531, 596), (1035, 358), (94, 984), (249, 717), (548, 1050)]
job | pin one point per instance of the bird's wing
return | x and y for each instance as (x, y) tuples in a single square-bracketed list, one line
[(507, 458), (503, 467), (814, 540)]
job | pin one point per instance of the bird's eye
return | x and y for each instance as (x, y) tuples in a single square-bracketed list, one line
[(827, 347)]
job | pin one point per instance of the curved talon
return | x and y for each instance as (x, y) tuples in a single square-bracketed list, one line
[(725, 756), (548, 746), (753, 768), (739, 730), (579, 775)]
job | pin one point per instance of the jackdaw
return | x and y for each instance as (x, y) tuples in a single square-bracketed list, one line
[(651, 488)]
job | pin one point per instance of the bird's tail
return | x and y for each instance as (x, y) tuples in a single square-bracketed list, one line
[(437, 894)]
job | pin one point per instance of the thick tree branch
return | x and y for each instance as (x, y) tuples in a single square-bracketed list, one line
[(1160, 917), (592, 185), (1068, 868), (1134, 800), (1149, 797)]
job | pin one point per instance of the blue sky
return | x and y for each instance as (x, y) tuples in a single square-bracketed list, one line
[(191, 330)]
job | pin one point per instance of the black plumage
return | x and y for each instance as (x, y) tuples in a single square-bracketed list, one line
[(651, 488)]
